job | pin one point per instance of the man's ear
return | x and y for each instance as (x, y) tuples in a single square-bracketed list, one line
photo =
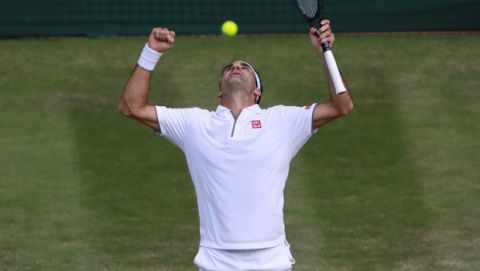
[(257, 92), (220, 94)]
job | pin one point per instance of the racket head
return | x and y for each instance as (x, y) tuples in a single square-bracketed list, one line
[(311, 11)]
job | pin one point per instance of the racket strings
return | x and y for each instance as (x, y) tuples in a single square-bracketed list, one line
[(308, 7)]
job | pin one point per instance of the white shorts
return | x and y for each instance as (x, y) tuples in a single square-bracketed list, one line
[(276, 258)]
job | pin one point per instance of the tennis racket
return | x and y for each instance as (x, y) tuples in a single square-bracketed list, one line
[(312, 11)]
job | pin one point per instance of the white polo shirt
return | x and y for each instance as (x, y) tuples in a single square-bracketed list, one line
[(239, 168)]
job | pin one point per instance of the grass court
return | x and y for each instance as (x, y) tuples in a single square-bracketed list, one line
[(395, 185)]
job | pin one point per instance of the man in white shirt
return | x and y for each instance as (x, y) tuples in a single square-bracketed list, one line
[(238, 156)]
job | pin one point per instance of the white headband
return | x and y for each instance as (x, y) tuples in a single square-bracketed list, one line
[(257, 79)]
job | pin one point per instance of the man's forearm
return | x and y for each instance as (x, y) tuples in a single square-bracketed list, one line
[(343, 101), (135, 94)]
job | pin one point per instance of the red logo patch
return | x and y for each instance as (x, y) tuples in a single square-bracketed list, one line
[(256, 124)]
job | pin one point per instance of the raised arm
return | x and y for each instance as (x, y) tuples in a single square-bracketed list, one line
[(134, 102), (339, 105)]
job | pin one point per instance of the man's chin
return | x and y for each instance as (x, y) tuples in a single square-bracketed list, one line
[(235, 81)]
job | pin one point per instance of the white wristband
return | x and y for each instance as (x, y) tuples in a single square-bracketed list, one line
[(148, 58)]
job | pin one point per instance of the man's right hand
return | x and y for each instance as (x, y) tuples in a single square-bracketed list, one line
[(161, 39)]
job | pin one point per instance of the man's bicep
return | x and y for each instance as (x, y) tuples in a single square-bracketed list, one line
[(324, 113), (148, 116)]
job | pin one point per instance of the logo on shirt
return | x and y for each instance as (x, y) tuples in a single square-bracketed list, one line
[(256, 124)]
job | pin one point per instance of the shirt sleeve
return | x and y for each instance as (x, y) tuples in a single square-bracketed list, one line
[(297, 125), (173, 123)]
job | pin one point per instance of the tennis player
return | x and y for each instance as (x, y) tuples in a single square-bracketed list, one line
[(238, 155)]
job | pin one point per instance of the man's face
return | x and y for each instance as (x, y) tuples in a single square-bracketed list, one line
[(238, 72)]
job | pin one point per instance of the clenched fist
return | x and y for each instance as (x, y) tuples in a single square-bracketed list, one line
[(161, 39)]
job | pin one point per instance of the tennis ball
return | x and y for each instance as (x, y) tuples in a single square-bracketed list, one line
[(229, 28)]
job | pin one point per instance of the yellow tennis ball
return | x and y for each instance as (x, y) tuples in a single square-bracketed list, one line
[(229, 28)]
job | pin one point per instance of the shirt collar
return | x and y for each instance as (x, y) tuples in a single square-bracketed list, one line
[(255, 108)]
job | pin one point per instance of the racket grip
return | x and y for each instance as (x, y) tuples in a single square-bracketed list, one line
[(334, 72)]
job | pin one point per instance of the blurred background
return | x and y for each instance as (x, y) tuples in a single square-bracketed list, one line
[(130, 17)]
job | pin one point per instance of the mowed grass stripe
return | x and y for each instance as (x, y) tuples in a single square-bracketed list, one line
[(45, 224), (362, 188), (444, 147), (137, 183)]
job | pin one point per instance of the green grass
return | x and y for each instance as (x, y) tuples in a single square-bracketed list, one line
[(393, 186)]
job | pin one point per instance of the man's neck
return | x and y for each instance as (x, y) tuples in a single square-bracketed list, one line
[(236, 105)]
